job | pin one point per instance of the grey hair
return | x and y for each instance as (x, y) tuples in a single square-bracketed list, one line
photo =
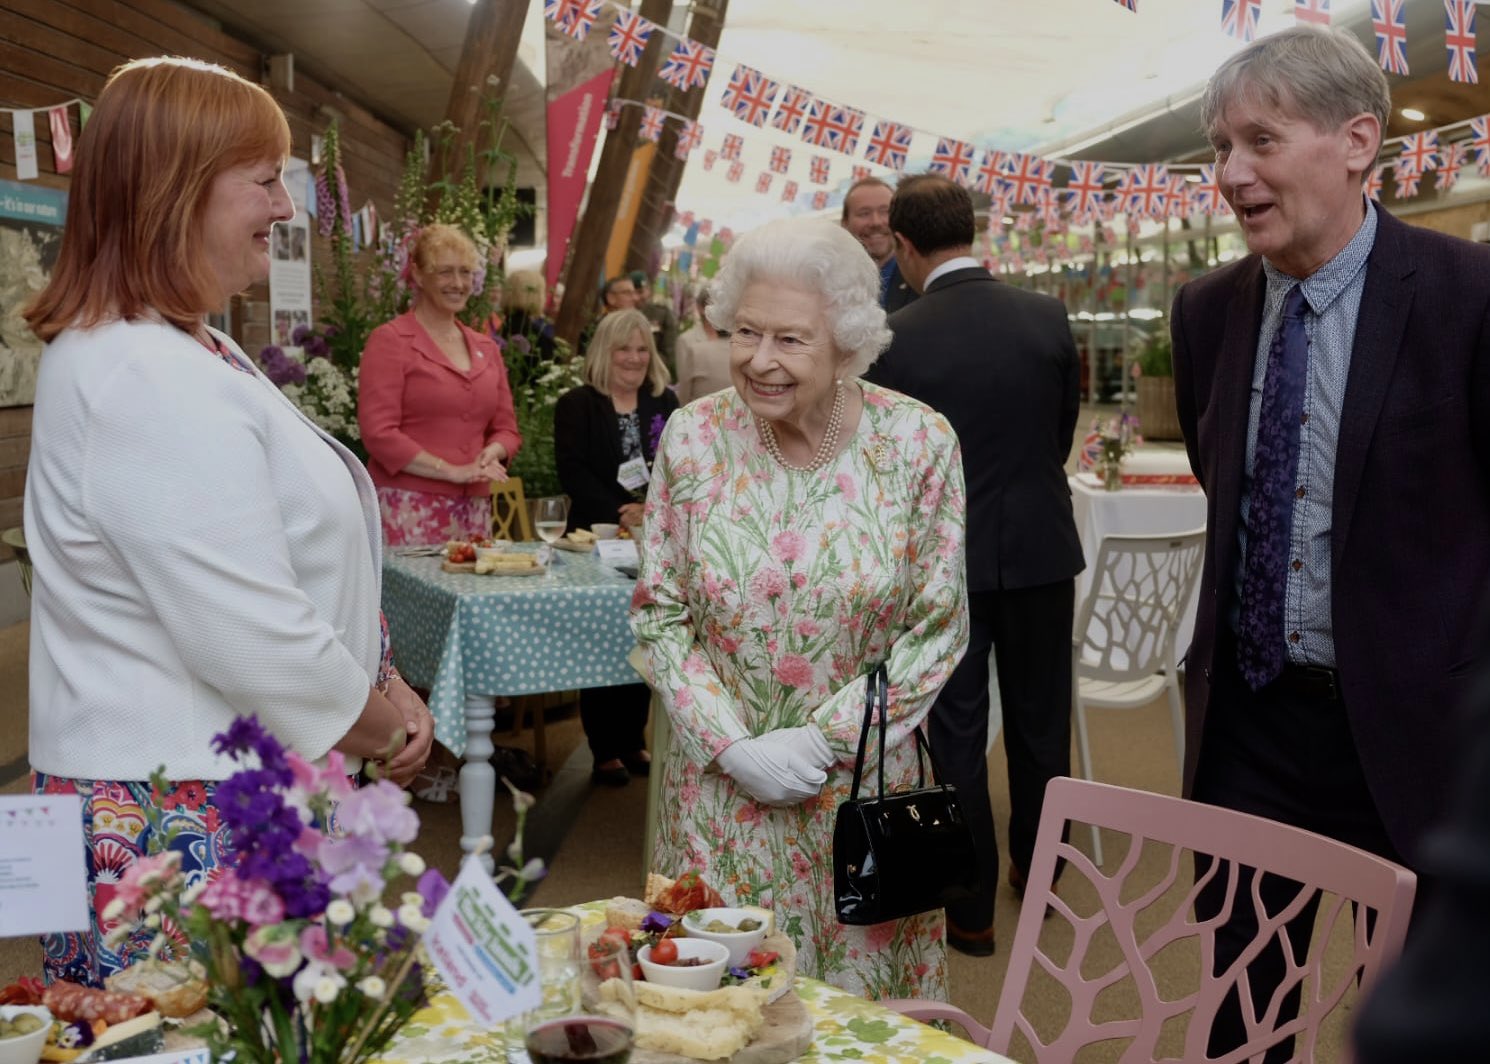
[(1326, 77), (819, 256)]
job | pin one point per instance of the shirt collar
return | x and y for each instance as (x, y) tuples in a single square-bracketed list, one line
[(961, 262), (1324, 285)]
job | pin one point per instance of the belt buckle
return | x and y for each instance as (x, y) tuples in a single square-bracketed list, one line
[(1325, 678)]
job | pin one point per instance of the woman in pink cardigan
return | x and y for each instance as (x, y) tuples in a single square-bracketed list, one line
[(434, 404)]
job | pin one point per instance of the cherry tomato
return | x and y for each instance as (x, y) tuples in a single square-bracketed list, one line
[(665, 952), (619, 935)]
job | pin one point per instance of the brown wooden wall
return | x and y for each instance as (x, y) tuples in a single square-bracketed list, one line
[(54, 50)]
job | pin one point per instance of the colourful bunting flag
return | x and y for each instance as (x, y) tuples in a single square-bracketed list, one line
[(838, 128), (953, 159), (612, 114), (688, 66), (574, 17), (1206, 196), (781, 159), (819, 200), (1389, 20), (710, 158), (990, 176), (690, 133), (1131, 5), (1239, 18), (1419, 153), (1084, 188), (749, 95), (1479, 142), (859, 173), (889, 146), (1315, 11), (1148, 190), (628, 37), (736, 169), (1459, 39), (1373, 184), (1406, 182), (818, 171), (1448, 172), (763, 182), (789, 112), (788, 192), (731, 148), (652, 119), (1179, 196), (61, 138), (1029, 177)]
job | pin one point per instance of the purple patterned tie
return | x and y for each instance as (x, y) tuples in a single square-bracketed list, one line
[(1275, 468)]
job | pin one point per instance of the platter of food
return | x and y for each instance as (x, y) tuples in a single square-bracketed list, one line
[(581, 540), (489, 557)]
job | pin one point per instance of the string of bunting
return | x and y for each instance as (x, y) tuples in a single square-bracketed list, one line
[(23, 133)]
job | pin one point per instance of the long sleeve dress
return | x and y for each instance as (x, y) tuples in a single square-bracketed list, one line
[(766, 595)]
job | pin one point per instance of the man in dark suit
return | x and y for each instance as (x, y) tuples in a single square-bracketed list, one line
[(866, 215), (1334, 394), (1000, 364)]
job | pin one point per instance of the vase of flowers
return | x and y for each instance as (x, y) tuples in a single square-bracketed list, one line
[(304, 960), (1118, 435)]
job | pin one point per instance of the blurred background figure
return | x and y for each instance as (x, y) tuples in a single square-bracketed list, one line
[(664, 321), (523, 320), (703, 356)]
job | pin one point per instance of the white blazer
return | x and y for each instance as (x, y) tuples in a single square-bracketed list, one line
[(201, 551)]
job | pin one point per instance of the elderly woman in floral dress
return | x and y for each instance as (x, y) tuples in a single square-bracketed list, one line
[(800, 529)]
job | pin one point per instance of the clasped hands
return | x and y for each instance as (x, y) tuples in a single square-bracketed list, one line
[(782, 767), (490, 464)]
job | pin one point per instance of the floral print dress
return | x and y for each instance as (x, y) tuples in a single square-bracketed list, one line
[(766, 595)]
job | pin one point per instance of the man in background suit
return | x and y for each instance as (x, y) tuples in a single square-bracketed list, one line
[(866, 215), (1334, 394), (1000, 364)]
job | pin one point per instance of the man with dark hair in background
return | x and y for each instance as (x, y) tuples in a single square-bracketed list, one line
[(999, 362), (866, 215)]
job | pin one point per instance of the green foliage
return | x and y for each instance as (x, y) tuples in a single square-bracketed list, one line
[(536, 387), (1157, 357)]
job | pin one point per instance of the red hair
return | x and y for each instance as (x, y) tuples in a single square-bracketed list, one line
[(161, 132)]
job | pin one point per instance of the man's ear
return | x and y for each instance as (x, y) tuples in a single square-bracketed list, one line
[(903, 247), (1362, 142)]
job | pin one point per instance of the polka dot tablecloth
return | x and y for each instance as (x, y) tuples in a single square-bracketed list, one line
[(460, 634)]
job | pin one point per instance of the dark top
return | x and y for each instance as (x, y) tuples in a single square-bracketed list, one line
[(895, 290), (588, 449), (537, 332)]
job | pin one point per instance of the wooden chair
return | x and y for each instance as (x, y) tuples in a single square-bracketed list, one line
[(509, 511), (15, 539), (1364, 903)]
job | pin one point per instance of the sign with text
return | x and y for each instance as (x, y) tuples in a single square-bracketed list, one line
[(43, 884), (484, 950)]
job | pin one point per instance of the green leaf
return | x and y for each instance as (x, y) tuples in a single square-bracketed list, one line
[(872, 1031)]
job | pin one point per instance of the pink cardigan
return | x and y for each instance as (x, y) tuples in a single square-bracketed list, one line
[(410, 398)]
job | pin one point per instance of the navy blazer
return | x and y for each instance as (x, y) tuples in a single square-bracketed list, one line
[(1410, 535)]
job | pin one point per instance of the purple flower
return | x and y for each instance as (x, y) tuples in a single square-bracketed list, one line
[(654, 435), (280, 367), (433, 887), (331, 332), (521, 345), (315, 347), (656, 921), (297, 337), (380, 812), (247, 735), (324, 205)]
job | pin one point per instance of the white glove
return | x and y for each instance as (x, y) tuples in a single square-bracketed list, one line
[(807, 745), (772, 774)]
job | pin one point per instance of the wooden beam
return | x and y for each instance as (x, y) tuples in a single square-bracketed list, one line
[(490, 50)]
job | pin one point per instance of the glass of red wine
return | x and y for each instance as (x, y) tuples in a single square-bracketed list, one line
[(601, 1026)]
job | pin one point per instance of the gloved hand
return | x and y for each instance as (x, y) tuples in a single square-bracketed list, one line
[(772, 774), (807, 746)]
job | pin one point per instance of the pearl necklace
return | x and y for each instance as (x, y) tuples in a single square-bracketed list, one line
[(825, 449)]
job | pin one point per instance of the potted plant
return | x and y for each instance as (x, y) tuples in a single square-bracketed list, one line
[(1153, 372)]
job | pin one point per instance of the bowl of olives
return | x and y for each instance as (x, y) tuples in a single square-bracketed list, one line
[(737, 930), (23, 1033)]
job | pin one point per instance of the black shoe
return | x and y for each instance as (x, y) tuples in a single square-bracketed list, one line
[(973, 943), (637, 766), (611, 777)]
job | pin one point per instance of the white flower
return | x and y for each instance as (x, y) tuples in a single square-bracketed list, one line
[(340, 912), (153, 920), (192, 893), (373, 987), (113, 910), (412, 917), (326, 989), (380, 916), (411, 897), (411, 864)]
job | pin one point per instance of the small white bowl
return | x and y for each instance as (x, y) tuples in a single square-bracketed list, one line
[(498, 546), (25, 1049), (739, 943), (605, 531), (697, 977)]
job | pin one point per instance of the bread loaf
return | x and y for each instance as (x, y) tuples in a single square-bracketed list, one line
[(627, 913), (700, 1025), (172, 989)]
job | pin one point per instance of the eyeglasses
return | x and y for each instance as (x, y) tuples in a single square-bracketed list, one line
[(450, 273)]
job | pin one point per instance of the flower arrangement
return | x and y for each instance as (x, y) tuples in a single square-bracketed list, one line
[(1115, 437), (303, 958), (536, 387)]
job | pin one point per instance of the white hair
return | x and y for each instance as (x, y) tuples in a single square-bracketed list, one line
[(821, 257)]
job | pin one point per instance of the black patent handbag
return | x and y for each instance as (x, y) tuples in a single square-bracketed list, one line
[(895, 855)]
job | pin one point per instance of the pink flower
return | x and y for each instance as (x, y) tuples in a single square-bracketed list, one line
[(788, 546), (380, 811), (879, 936), (794, 671), (799, 580), (261, 905), (847, 486), (274, 947), (806, 629), (315, 945), (801, 865), (144, 878), (767, 583)]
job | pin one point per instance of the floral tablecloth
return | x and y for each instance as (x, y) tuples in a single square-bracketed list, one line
[(459, 634)]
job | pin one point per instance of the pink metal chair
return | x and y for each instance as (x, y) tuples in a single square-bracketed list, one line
[(1347, 881)]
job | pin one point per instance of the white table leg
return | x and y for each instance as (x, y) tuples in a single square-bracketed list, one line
[(478, 780)]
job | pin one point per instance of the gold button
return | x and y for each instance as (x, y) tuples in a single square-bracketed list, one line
[(1299, 494), (1297, 564), (1293, 637)]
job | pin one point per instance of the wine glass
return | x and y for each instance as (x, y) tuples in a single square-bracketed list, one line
[(601, 1027), (556, 932), (550, 518)]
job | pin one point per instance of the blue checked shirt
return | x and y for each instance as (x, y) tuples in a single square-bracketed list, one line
[(1333, 296)]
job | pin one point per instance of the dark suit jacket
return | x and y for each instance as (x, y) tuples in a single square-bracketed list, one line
[(1410, 542), (1000, 364), (587, 449), (898, 291)]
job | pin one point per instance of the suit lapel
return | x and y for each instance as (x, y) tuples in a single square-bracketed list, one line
[(1380, 325), (1232, 390)]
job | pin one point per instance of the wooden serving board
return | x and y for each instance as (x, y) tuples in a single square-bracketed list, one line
[(565, 543), (470, 567), (785, 1037)]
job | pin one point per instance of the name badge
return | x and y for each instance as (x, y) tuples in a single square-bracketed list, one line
[(632, 474)]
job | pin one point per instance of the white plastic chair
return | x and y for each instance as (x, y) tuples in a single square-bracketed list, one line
[(1123, 648)]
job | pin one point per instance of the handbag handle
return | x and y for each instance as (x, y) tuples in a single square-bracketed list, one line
[(877, 688)]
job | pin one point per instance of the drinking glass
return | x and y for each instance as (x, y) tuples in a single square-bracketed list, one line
[(550, 518), (557, 934), (602, 1025)]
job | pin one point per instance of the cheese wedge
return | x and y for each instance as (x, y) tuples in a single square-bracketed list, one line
[(582, 535)]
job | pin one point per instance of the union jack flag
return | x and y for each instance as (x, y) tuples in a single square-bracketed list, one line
[(1135, 225), (1448, 173), (1239, 18), (690, 133), (819, 200), (1419, 153), (1206, 197), (1091, 450), (628, 37), (710, 158), (1315, 11), (859, 173), (789, 112), (731, 148), (998, 209), (574, 17), (688, 66), (788, 192), (1108, 235), (990, 176), (1459, 38), (685, 219), (1131, 5), (1024, 221), (1407, 183), (781, 158), (819, 170), (749, 95), (953, 159), (1030, 177), (1084, 188), (1148, 190), (1049, 214), (705, 226), (763, 182), (889, 146), (613, 114), (1479, 142), (1373, 184), (1179, 196), (1389, 20), (736, 169), (827, 126), (652, 119), (1086, 244)]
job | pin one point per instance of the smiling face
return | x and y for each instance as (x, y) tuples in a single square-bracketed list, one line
[(867, 218), (1296, 190), (445, 280), (783, 360), (238, 219), (629, 362)]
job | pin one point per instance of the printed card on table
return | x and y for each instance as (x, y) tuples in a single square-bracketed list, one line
[(618, 552), (486, 952), (43, 885)]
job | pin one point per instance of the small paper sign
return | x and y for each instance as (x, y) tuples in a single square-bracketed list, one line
[(180, 1056), (618, 551), (486, 952), (23, 130), (43, 884)]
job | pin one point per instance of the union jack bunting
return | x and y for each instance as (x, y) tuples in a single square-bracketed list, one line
[(628, 37), (1479, 142), (1108, 235), (749, 95), (819, 200), (735, 171), (1239, 18), (789, 112), (1419, 153), (998, 209), (574, 17), (889, 146), (990, 176), (859, 173), (731, 148), (1086, 244), (1049, 214), (652, 119), (685, 219), (1406, 183), (952, 158), (1084, 188), (705, 227), (819, 170), (1389, 20), (1373, 184), (1029, 178), (1315, 11), (763, 182), (710, 158), (1459, 38), (689, 65), (1135, 225), (827, 126), (1448, 172), (1131, 5), (690, 133), (781, 159), (1179, 196), (1024, 221), (612, 114), (788, 192), (1148, 190), (1206, 197), (1042, 256)]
